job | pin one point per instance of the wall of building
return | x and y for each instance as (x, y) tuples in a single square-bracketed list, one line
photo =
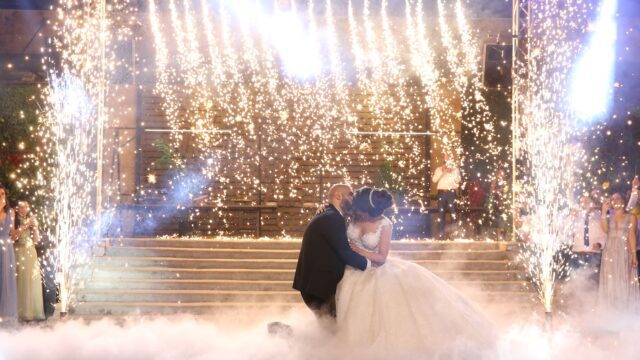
[(130, 150)]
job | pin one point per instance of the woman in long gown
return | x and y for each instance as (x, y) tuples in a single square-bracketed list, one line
[(618, 290), (401, 307), (8, 292), (30, 300)]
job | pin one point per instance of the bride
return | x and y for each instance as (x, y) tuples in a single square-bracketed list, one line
[(400, 306)]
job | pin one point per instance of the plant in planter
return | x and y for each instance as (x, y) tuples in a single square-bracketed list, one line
[(169, 157), (183, 184), (389, 179)]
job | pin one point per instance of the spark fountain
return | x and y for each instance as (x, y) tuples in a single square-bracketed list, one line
[(78, 104), (72, 138), (545, 130)]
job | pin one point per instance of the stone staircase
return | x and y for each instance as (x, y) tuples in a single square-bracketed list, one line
[(160, 276)]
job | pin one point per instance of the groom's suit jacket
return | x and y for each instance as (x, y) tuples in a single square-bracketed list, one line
[(324, 254)]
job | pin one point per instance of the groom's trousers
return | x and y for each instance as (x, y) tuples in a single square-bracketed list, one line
[(320, 307)]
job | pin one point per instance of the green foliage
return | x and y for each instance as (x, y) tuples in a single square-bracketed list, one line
[(18, 138), (388, 179), (169, 157)]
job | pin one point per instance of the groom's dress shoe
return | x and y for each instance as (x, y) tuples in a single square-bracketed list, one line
[(280, 329)]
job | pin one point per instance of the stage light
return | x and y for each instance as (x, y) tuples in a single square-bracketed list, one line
[(297, 49), (592, 82), (246, 11)]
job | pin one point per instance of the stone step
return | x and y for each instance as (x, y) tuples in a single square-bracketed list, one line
[(120, 273), (414, 255), (194, 263), (270, 297), (201, 253), (186, 296), (291, 244), (99, 309), (221, 253), (200, 275), (248, 285), (193, 284), (158, 308)]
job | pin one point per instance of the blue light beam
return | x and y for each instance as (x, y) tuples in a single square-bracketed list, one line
[(592, 80)]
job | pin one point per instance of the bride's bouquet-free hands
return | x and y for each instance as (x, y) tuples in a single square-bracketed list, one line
[(364, 253)]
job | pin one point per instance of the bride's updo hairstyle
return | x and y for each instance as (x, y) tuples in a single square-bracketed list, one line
[(372, 201)]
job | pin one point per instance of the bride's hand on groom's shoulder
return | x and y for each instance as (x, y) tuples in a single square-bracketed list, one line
[(322, 209)]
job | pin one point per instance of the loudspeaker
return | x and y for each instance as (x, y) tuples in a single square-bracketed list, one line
[(497, 63)]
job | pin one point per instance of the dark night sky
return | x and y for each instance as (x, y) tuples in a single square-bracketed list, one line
[(25, 4)]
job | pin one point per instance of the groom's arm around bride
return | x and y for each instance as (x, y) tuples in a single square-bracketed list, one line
[(324, 253)]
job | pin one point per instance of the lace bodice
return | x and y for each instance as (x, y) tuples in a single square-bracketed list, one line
[(368, 241), (619, 232)]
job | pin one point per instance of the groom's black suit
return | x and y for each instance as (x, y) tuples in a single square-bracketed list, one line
[(323, 256)]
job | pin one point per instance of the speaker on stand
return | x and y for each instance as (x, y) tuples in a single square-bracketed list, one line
[(496, 69)]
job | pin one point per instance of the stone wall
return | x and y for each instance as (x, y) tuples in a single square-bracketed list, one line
[(288, 215), (130, 150)]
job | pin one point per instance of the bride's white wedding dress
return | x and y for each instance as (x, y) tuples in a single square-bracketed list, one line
[(401, 307)]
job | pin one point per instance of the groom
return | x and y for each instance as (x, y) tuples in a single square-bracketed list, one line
[(324, 254)]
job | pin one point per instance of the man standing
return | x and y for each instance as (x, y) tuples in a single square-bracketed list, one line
[(325, 252), (588, 238), (447, 177)]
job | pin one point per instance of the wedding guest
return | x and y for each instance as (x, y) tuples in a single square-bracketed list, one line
[(597, 196), (633, 209), (8, 291), (476, 197), (26, 235), (618, 288), (447, 177), (588, 238)]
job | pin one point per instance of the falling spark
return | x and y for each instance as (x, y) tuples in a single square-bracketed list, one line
[(546, 134), (71, 123)]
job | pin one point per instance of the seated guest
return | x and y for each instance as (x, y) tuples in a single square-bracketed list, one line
[(588, 237), (29, 279)]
